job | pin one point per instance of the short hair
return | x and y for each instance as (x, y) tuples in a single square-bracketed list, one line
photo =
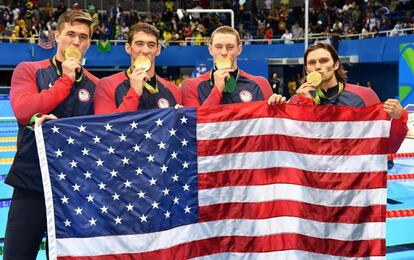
[(143, 27), (71, 16), (340, 73), (226, 30)]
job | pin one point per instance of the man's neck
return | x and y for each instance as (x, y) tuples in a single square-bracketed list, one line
[(330, 84)]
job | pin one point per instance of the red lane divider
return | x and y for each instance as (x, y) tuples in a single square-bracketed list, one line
[(401, 213), (399, 155), (406, 176)]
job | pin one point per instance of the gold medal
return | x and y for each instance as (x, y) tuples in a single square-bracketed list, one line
[(223, 63), (73, 53), (142, 62), (315, 78)]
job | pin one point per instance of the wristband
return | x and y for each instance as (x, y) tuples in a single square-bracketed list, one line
[(33, 119)]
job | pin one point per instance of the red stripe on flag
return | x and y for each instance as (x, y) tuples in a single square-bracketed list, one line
[(332, 181), (260, 109), (262, 244), (292, 144), (280, 208)]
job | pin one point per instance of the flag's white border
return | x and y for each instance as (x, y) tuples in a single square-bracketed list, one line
[(47, 188)]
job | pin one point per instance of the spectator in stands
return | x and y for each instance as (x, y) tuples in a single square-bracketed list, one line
[(297, 31), (228, 84), (54, 88), (292, 86), (334, 90), (276, 84), (137, 88), (287, 37)]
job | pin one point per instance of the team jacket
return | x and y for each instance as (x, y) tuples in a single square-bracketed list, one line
[(36, 87), (201, 92), (357, 96), (114, 94)]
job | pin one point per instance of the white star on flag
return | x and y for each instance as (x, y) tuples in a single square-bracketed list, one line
[(147, 135), (139, 171), (59, 153), (141, 194), (61, 176), (187, 209), (163, 168), (136, 148), (174, 155), (70, 140), (87, 175), (161, 145), (127, 184), (99, 162), (85, 151), (55, 129), (118, 220), (111, 150), (122, 137), (104, 209), (129, 207), (92, 222), (76, 187), (90, 198), (166, 191), (125, 161), (78, 211), (108, 127), (133, 125), (113, 173), (82, 129), (152, 182), (143, 218), (184, 142), (172, 131), (96, 139), (150, 158), (183, 120), (65, 200), (167, 214), (73, 164), (158, 122), (102, 186)]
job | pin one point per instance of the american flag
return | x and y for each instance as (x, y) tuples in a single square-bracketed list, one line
[(47, 41), (241, 181)]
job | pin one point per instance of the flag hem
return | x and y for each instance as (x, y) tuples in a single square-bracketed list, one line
[(47, 188)]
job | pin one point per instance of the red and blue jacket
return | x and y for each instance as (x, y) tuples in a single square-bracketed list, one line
[(114, 94), (37, 87), (201, 91)]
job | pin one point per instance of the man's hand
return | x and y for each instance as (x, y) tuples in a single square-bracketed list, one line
[(39, 121), (178, 106), (220, 77), (70, 66), (393, 108), (136, 80), (305, 89), (276, 99)]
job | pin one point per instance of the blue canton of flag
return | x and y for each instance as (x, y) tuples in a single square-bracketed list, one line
[(123, 175)]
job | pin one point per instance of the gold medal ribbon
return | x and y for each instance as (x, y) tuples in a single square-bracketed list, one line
[(319, 94), (151, 89)]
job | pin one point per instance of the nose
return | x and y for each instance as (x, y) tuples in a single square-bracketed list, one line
[(76, 40), (223, 51)]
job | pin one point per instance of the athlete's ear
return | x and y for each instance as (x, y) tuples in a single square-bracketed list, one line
[(128, 48), (336, 66)]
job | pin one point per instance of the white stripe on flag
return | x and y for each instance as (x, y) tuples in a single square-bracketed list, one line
[(263, 193), (283, 126), (287, 254), (308, 162), (231, 227)]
